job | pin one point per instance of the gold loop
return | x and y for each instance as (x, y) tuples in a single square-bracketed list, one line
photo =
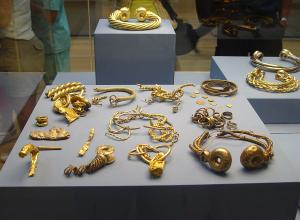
[(218, 87), (118, 20)]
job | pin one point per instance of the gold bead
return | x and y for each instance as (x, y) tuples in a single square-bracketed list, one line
[(125, 14), (252, 157), (141, 14), (220, 160)]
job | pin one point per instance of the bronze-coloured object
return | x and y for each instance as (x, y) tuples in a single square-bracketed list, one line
[(146, 20), (210, 119), (104, 156), (113, 99), (219, 87), (41, 121), (34, 152), (97, 100), (157, 162), (286, 55), (53, 134), (86, 145), (288, 83), (63, 89), (159, 128), (254, 156), (161, 95)]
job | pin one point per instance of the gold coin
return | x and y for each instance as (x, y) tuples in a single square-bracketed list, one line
[(196, 91), (193, 95), (229, 105), (200, 102)]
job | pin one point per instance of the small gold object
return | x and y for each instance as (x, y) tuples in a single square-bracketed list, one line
[(97, 100), (41, 121), (53, 134), (286, 55), (210, 100), (193, 95), (205, 97), (161, 95), (104, 156), (147, 20), (229, 105), (254, 156), (196, 91), (113, 99), (288, 83), (218, 87), (200, 102), (213, 103), (34, 151), (156, 163), (86, 145), (68, 94)]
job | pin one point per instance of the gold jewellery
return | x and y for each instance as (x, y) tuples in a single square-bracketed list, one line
[(53, 134), (157, 162), (69, 94), (288, 83), (146, 20), (210, 119), (286, 55), (104, 156), (162, 95), (41, 121), (34, 151), (218, 87), (219, 159), (160, 129), (86, 145), (113, 99)]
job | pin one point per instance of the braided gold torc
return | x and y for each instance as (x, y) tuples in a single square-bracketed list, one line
[(288, 83), (113, 99), (147, 20), (286, 55)]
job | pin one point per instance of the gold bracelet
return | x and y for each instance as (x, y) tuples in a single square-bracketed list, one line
[(34, 151), (104, 156), (286, 55), (218, 87), (156, 163), (254, 156), (41, 121), (147, 20), (288, 83), (113, 99)]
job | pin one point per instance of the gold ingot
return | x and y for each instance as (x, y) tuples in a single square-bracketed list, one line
[(220, 160), (141, 14), (156, 165), (125, 14), (252, 157)]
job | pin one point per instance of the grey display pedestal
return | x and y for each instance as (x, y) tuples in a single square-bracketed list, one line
[(277, 108), (130, 57), (124, 189)]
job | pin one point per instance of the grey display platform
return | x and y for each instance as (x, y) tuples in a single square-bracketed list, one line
[(128, 57), (277, 108), (125, 189)]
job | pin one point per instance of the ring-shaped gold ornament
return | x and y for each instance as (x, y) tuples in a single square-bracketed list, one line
[(218, 87), (219, 159), (289, 83), (286, 55), (146, 20)]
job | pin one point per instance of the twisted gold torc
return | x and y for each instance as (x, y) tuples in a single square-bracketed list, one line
[(113, 99), (146, 20), (286, 55), (288, 83)]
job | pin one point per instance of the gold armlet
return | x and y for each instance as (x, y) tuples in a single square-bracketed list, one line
[(219, 87), (146, 20)]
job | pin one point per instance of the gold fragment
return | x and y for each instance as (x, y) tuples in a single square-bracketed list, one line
[(41, 121), (229, 105), (196, 91), (200, 102), (86, 145), (205, 96), (193, 95), (210, 100), (53, 134)]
